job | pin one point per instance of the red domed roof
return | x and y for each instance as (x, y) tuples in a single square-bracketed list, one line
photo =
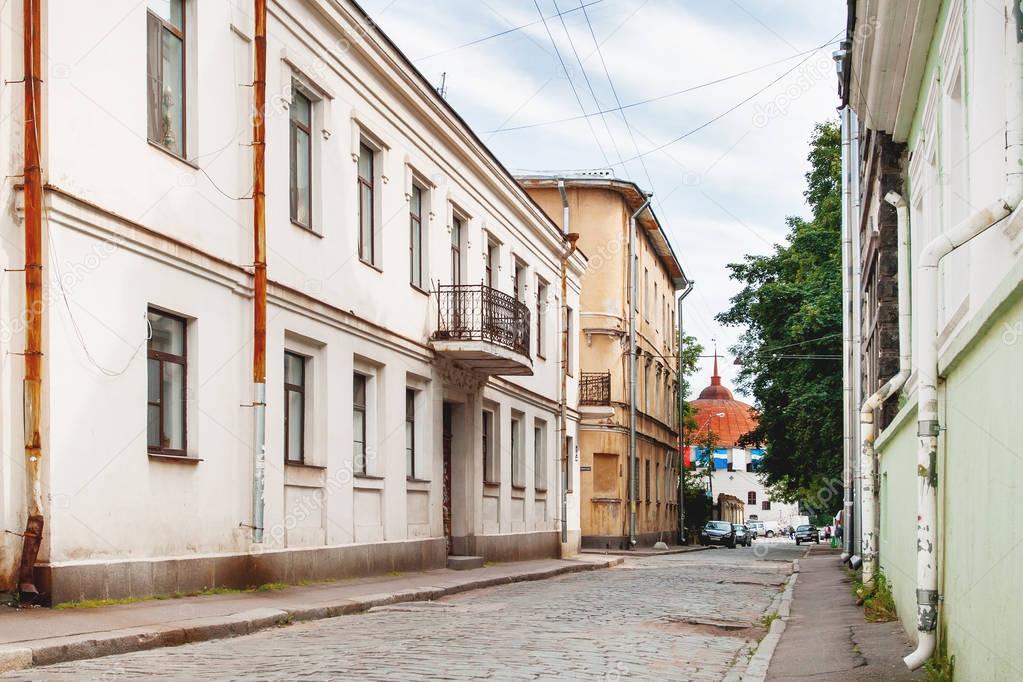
[(718, 411)]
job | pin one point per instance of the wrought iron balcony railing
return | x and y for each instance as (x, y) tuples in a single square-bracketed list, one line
[(476, 312), (595, 388)]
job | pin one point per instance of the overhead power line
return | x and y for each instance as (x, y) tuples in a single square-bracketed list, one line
[(669, 95), (502, 33), (705, 124)]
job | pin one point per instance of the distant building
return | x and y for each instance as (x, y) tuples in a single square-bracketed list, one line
[(735, 466), (600, 210)]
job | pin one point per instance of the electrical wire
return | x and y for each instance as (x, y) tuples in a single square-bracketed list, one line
[(668, 95), (499, 34), (705, 124), (571, 84)]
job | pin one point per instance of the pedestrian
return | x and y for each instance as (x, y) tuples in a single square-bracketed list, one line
[(827, 532)]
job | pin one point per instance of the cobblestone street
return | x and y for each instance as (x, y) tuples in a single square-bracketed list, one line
[(690, 616)]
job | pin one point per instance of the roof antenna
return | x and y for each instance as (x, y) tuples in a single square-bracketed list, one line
[(442, 89)]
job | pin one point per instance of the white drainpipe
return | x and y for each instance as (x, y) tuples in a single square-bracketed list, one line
[(847, 346), (868, 430), (927, 339)]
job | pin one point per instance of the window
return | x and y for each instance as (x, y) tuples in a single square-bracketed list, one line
[(489, 470), (359, 422), (166, 371), (519, 281), (653, 304), (646, 479), (646, 294), (766, 505), (491, 264), (751, 497), (457, 227), (541, 309), (540, 455), (517, 461), (301, 113), (294, 408), (410, 432), (415, 237), (569, 330), (165, 57), (657, 480), (566, 466), (367, 223)]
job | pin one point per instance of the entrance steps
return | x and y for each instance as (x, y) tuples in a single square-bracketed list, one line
[(464, 563)]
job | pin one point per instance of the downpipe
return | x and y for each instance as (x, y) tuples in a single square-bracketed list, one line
[(927, 344), (847, 346), (633, 469), (566, 461), (33, 380), (868, 429), (259, 272), (682, 540)]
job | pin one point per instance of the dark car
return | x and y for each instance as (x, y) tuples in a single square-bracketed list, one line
[(743, 535), (718, 533), (805, 533)]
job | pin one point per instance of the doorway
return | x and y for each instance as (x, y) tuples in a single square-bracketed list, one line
[(447, 438)]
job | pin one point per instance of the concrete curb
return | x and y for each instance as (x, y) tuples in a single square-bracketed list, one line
[(756, 669), (176, 633), (644, 554)]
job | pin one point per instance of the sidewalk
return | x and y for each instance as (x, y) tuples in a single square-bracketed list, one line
[(31, 637), (827, 637)]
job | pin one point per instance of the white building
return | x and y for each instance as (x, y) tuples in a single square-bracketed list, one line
[(735, 463), (379, 198)]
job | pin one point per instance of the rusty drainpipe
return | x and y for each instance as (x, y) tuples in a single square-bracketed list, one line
[(33, 536), (259, 269), (566, 461)]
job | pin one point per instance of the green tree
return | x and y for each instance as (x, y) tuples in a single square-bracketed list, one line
[(790, 309)]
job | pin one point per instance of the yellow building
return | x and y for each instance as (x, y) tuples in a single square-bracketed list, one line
[(600, 210)]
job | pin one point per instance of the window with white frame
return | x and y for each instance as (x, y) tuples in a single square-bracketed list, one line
[(165, 58), (367, 204), (570, 341), (360, 422), (458, 237), (301, 157), (492, 259), (167, 365), (540, 454), (294, 407), (489, 452), (541, 315), (410, 434), (415, 237), (518, 463)]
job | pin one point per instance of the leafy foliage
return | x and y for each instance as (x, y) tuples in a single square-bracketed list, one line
[(791, 310)]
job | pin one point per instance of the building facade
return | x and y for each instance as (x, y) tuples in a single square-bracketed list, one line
[(936, 90), (735, 464), (600, 210), (413, 320)]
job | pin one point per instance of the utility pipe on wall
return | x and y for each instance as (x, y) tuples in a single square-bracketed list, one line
[(847, 346), (32, 538), (633, 277), (681, 414), (927, 341), (566, 461), (868, 429), (259, 270)]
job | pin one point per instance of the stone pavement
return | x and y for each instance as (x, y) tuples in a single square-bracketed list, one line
[(828, 638), (690, 616)]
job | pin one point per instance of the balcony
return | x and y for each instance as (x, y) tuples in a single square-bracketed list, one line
[(483, 329), (595, 395)]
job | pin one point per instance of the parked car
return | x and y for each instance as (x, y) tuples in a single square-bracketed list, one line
[(743, 535), (806, 533), (718, 533), (756, 528)]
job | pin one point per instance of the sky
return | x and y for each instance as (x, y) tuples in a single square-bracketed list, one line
[(725, 159)]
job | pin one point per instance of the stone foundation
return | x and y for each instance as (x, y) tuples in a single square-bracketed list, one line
[(166, 576)]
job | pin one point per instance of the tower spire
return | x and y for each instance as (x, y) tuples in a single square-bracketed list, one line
[(715, 379)]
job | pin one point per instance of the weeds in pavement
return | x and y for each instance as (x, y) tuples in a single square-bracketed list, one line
[(768, 619), (940, 669), (204, 592), (875, 597)]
